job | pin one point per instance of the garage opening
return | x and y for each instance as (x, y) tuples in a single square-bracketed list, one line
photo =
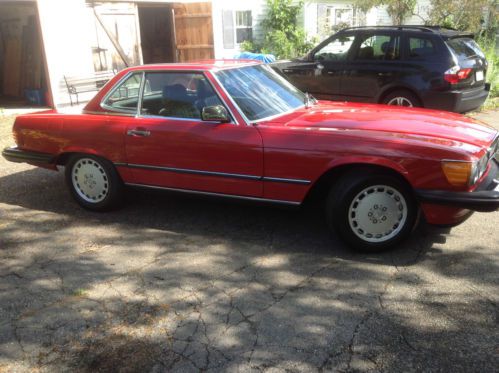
[(157, 33), (176, 32), (22, 68)]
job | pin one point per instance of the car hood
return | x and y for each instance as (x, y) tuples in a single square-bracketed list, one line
[(392, 121)]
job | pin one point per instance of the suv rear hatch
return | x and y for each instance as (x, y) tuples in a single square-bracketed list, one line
[(471, 65)]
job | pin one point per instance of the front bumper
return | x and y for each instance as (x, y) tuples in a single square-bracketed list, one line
[(484, 199), (14, 154)]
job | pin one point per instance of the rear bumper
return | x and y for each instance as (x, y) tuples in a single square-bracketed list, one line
[(457, 101), (14, 154), (484, 199)]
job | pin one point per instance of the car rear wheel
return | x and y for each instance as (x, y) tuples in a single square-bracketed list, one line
[(402, 98), (94, 182), (371, 211)]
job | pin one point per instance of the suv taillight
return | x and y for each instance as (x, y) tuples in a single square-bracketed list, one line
[(455, 74)]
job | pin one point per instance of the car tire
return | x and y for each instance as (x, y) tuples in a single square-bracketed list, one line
[(402, 97), (371, 210), (94, 182)]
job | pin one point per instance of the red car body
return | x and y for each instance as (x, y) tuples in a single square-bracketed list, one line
[(279, 159)]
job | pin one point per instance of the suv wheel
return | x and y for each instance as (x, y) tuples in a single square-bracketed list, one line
[(402, 98)]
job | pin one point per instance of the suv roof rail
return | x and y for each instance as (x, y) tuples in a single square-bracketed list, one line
[(401, 27)]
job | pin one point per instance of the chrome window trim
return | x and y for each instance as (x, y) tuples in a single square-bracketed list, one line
[(124, 114), (217, 173), (108, 108), (172, 118), (141, 93), (213, 194)]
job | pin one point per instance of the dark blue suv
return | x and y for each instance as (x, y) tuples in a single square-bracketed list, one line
[(429, 67)]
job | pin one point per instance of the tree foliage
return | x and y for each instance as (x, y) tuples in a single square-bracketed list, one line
[(398, 10), (283, 37), (472, 15)]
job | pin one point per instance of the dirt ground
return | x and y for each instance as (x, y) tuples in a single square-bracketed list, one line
[(179, 283)]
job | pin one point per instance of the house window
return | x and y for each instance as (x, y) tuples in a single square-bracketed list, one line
[(237, 27), (244, 26)]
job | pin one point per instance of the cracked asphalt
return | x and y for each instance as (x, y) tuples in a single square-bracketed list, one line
[(180, 283)]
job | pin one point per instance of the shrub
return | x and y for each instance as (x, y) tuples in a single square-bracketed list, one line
[(488, 45), (283, 38)]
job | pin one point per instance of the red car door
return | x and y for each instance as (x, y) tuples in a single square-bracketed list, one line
[(168, 145)]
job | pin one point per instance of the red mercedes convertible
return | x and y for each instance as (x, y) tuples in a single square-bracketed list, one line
[(240, 130)]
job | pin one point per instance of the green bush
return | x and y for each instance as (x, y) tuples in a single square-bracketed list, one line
[(488, 45), (283, 38), (249, 46)]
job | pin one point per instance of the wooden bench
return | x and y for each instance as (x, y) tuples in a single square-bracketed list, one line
[(88, 83)]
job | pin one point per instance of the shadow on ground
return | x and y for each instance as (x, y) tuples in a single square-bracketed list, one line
[(172, 282)]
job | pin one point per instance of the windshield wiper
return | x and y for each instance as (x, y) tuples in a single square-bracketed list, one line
[(309, 100)]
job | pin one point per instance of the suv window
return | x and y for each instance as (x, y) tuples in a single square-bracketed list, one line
[(336, 50), (125, 97), (421, 47), (379, 47), (464, 48), (177, 95)]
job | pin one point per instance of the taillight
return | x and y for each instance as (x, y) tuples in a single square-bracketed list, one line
[(455, 74)]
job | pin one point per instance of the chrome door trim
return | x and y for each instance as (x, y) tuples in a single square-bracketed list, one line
[(194, 172), (216, 173), (198, 192)]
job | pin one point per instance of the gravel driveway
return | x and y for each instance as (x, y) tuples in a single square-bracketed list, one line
[(179, 283)]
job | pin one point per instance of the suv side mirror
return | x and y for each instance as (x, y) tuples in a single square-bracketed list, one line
[(216, 113)]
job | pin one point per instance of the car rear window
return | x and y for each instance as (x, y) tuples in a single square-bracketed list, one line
[(464, 48)]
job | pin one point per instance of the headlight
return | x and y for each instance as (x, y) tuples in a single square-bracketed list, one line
[(460, 173), (482, 166), (465, 173)]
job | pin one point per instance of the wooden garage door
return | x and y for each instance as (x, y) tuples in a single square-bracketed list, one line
[(193, 31)]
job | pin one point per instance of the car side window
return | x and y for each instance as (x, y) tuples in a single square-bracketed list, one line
[(379, 47), (177, 95), (421, 48), (125, 97), (336, 50)]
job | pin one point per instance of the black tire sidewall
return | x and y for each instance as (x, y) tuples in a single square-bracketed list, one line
[(341, 197), (114, 180)]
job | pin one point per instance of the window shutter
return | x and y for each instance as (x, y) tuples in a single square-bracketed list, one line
[(228, 29)]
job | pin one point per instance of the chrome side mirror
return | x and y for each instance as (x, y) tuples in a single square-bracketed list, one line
[(216, 113)]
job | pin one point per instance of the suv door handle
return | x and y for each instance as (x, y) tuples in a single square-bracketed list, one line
[(138, 132), (384, 74)]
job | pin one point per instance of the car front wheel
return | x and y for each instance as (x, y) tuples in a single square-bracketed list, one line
[(94, 182), (371, 212)]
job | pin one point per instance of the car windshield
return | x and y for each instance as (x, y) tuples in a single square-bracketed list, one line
[(260, 92)]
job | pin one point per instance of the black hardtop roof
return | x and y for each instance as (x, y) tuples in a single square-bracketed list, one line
[(443, 31)]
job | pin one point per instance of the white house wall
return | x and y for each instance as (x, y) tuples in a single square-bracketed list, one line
[(67, 46), (257, 7)]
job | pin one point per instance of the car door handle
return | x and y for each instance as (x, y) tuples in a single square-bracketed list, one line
[(384, 74), (138, 132)]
